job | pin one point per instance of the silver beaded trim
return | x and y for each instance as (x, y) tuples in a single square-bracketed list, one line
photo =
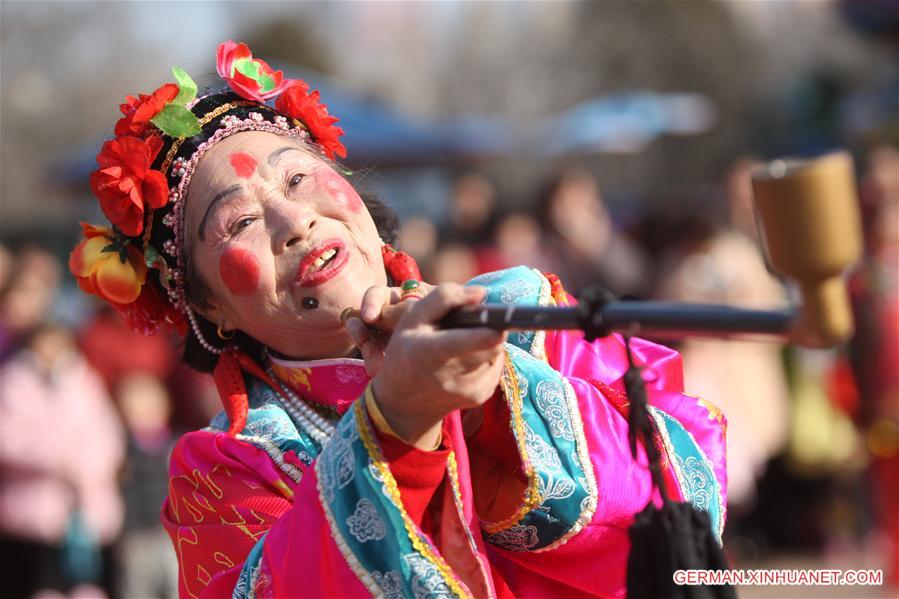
[(199, 334), (311, 421)]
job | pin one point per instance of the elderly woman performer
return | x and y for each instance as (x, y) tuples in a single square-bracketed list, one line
[(381, 455)]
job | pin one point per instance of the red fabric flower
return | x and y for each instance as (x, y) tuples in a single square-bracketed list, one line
[(299, 103), (138, 111), (152, 311), (250, 77), (125, 184)]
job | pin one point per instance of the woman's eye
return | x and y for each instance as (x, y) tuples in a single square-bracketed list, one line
[(241, 224), (295, 180)]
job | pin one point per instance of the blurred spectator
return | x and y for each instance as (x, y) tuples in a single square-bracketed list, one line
[(453, 263), (149, 566), (738, 192), (465, 243), (6, 263), (418, 238), (153, 354), (748, 383), (581, 240), (26, 297), (516, 241), (874, 351), (195, 400), (61, 449), (471, 210)]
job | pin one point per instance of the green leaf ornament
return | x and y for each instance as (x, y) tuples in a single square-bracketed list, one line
[(177, 121), (187, 87)]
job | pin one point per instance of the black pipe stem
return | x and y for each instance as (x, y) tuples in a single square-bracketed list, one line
[(645, 317)]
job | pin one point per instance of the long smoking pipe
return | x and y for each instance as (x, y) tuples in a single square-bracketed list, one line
[(665, 319), (810, 226)]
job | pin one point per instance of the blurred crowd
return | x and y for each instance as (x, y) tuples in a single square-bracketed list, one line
[(90, 410)]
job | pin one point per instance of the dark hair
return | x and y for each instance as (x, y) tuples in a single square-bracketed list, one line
[(197, 357)]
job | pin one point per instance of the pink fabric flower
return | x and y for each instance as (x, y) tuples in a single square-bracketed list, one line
[(249, 77)]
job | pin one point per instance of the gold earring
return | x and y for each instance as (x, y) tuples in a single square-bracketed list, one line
[(225, 336)]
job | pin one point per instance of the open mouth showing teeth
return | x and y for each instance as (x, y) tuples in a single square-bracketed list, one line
[(324, 259), (326, 265)]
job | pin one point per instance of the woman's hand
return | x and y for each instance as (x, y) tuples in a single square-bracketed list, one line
[(382, 307), (381, 310), (424, 373)]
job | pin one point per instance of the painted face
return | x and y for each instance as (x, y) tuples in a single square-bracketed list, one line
[(269, 223)]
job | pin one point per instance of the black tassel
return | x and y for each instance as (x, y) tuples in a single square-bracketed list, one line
[(676, 537)]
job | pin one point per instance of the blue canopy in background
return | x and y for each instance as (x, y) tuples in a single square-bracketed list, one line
[(625, 122), (377, 132)]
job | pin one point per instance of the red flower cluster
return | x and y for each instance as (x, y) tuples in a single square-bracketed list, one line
[(151, 312), (125, 184), (304, 106), (138, 111)]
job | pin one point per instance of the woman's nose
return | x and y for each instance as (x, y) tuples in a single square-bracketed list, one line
[(293, 223)]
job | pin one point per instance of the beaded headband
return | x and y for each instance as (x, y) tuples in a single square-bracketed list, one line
[(137, 265)]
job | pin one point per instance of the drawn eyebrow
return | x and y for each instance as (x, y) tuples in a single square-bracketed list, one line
[(218, 197), (276, 155)]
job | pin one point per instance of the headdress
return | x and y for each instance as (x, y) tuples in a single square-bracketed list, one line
[(137, 264)]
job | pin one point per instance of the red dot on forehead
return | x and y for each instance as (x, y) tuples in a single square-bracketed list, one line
[(244, 164), (239, 270)]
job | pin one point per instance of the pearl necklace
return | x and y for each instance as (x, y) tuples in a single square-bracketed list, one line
[(309, 420)]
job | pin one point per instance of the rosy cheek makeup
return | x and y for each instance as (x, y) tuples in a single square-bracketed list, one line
[(337, 187), (239, 270), (244, 165)]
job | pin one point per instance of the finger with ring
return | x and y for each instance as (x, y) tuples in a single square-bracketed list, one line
[(411, 289)]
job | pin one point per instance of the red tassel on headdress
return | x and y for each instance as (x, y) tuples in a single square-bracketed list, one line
[(228, 378), (400, 266)]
